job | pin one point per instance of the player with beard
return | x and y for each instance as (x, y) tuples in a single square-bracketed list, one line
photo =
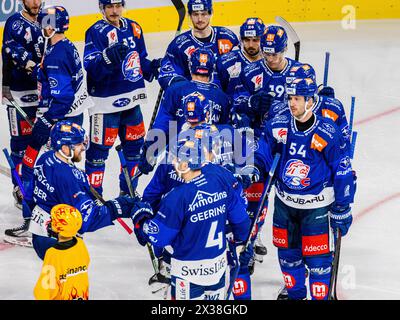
[(57, 180), (220, 40), (230, 65)]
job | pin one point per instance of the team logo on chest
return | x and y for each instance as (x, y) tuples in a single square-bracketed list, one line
[(131, 68), (296, 174)]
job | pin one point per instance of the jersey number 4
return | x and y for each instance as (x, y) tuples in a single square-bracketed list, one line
[(214, 238)]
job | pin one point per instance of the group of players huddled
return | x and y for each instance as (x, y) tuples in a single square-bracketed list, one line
[(229, 106)]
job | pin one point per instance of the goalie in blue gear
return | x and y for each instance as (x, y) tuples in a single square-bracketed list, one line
[(22, 51), (117, 66), (65, 183)]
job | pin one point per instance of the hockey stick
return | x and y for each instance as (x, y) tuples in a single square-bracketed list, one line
[(180, 8), (21, 112), (265, 195), (292, 34), (332, 295), (154, 260), (326, 71)]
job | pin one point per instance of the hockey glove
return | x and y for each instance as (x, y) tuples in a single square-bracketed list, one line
[(121, 207), (6, 95), (328, 92), (146, 163), (155, 67), (260, 103), (41, 131), (240, 121), (115, 54), (245, 257), (140, 214), (341, 218)]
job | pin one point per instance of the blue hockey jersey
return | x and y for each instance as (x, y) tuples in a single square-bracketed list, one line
[(58, 182), (257, 76), (192, 219), (171, 108), (229, 67), (22, 41), (314, 169), (326, 107), (176, 60), (116, 88), (60, 82)]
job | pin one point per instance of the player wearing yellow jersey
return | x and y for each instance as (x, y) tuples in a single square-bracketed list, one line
[(64, 273)]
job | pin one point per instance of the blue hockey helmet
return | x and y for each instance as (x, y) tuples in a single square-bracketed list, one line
[(302, 71), (56, 17), (103, 3), (202, 62), (200, 5), (302, 87), (252, 27), (195, 107), (67, 133), (274, 40), (190, 150)]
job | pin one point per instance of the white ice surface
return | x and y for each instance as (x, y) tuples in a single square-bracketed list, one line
[(364, 63)]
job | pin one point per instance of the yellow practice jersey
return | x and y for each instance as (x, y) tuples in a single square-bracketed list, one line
[(64, 273)]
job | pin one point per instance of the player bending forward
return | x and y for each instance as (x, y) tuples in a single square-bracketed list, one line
[(192, 219)]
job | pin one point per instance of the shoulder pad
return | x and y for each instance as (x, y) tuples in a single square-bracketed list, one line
[(252, 67), (225, 32), (326, 128)]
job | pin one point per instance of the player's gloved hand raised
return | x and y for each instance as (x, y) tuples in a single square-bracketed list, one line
[(146, 162), (121, 207), (115, 54), (328, 92), (41, 131), (140, 213), (341, 218), (260, 102)]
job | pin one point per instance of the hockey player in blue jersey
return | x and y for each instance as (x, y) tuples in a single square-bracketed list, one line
[(116, 62), (57, 180), (170, 117), (314, 191), (192, 219), (22, 50), (267, 76), (62, 91), (230, 65), (220, 40)]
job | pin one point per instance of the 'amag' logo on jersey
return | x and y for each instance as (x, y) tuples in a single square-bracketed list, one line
[(296, 174), (204, 198)]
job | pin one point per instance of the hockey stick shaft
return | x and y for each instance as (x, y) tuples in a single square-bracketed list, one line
[(100, 198), (21, 112), (267, 188), (326, 70), (352, 109), (180, 8), (292, 34), (332, 295), (154, 260), (14, 172)]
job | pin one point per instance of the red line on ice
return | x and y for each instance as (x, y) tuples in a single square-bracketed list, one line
[(5, 246), (377, 116)]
